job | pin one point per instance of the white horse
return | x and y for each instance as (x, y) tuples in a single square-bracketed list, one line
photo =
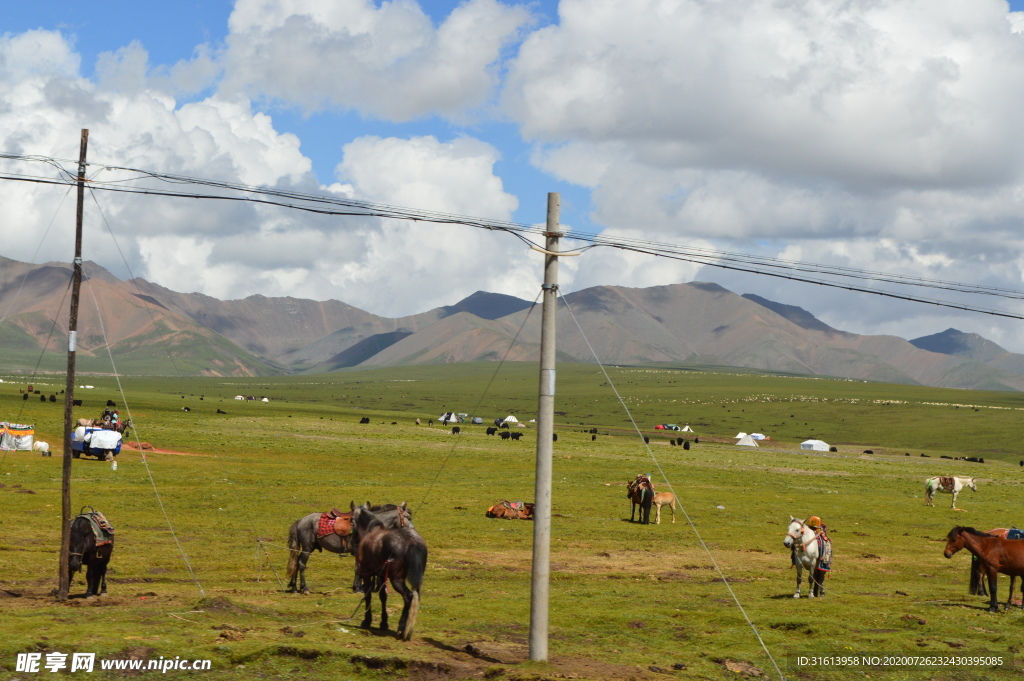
[(800, 539), (933, 485)]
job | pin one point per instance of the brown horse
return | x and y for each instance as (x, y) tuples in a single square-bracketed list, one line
[(977, 586), (995, 555), (664, 499), (384, 554), (511, 510), (640, 492)]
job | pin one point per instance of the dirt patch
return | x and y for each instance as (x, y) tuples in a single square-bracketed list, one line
[(150, 449), (500, 660)]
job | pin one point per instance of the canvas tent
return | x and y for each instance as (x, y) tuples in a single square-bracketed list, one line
[(687, 429), (814, 445), (450, 417), (746, 441), (758, 436), (510, 419), (739, 435), (16, 437)]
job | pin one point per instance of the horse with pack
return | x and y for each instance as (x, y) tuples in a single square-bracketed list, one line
[(315, 532), (995, 554), (92, 544), (640, 492), (511, 510), (977, 584), (331, 530), (811, 550), (946, 483)]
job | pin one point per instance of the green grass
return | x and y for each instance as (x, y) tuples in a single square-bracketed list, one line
[(624, 597)]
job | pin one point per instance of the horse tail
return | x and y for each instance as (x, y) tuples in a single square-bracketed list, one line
[(416, 565), (293, 552), (410, 621)]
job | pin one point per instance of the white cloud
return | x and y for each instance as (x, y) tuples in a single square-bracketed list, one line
[(387, 60)]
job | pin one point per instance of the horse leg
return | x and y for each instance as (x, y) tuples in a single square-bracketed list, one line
[(657, 515), (1009, 598), (406, 594), (92, 578), (819, 583), (368, 598), (301, 571), (799, 578), (383, 591), (953, 505), (993, 575)]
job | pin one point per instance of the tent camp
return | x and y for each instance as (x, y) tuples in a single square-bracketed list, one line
[(746, 441), (814, 445), (16, 436), (450, 417)]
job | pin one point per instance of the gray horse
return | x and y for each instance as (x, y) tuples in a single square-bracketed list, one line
[(302, 540)]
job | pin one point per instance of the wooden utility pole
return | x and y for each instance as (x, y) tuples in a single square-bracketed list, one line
[(69, 390), (545, 432)]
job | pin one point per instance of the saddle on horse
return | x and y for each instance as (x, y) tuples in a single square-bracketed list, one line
[(513, 510), (101, 527), (947, 483), (334, 522)]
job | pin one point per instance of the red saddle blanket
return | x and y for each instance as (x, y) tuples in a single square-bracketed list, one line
[(330, 524)]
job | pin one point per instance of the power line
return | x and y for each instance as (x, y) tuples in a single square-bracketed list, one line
[(840, 277)]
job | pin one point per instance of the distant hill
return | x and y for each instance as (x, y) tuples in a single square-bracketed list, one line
[(953, 342), (150, 329)]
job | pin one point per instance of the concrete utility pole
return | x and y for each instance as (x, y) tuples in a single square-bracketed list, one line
[(64, 584), (545, 431)]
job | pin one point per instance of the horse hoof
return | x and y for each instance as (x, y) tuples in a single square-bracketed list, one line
[(810, 595), (796, 595), (305, 592)]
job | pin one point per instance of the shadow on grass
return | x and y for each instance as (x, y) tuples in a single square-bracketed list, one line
[(468, 649)]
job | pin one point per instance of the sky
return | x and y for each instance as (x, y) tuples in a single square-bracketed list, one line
[(884, 135)]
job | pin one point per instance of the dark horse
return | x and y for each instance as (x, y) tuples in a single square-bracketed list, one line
[(640, 491), (303, 540), (383, 554), (995, 555), (92, 542)]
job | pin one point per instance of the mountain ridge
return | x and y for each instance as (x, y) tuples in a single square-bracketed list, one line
[(696, 323)]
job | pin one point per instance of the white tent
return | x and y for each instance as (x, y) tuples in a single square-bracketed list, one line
[(758, 436), (510, 419), (814, 445), (687, 429), (746, 441), (739, 435), (450, 417)]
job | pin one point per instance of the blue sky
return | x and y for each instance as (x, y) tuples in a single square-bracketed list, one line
[(885, 136)]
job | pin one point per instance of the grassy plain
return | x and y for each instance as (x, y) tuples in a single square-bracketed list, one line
[(627, 601)]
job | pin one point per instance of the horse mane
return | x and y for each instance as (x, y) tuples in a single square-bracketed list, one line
[(969, 530)]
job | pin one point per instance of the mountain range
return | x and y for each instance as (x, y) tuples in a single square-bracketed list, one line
[(149, 329)]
